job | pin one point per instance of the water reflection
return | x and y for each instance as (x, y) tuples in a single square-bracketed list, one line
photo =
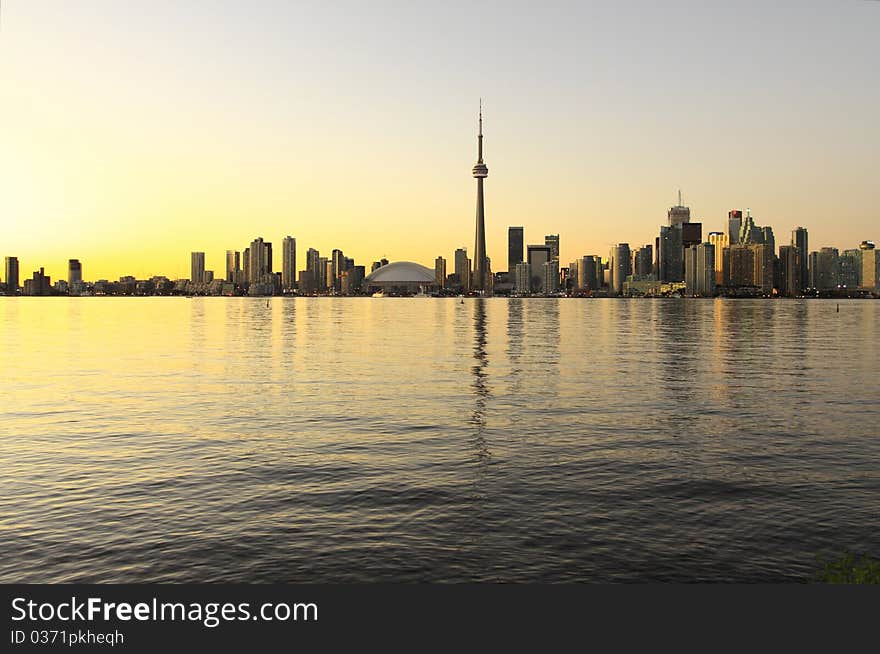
[(480, 382)]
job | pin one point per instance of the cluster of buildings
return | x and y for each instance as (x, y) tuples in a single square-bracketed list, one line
[(742, 261)]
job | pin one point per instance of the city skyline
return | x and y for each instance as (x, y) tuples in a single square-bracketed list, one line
[(132, 164)]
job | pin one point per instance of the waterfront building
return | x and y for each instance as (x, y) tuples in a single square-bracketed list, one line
[(288, 262), (233, 266), (463, 269), (401, 278), (589, 271), (74, 272), (480, 172), (550, 277), (699, 263), (39, 284), (870, 277), (720, 240), (440, 272), (351, 280), (850, 268), (337, 265), (536, 257), (823, 267), (515, 248), (523, 281), (670, 253), (800, 243), (621, 266), (789, 271), (197, 267), (12, 275), (313, 259), (260, 262), (643, 262)]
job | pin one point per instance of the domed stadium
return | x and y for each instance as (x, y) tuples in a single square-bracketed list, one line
[(401, 278)]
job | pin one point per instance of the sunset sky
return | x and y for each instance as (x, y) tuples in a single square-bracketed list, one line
[(136, 132)]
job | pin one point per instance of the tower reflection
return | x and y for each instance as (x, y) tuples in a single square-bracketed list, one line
[(480, 383)]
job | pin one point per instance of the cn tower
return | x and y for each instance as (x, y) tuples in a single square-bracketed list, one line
[(480, 172)]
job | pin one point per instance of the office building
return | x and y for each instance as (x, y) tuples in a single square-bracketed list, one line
[(288, 263), (233, 266), (800, 242), (644, 262), (699, 270), (550, 277), (12, 275), (870, 277), (789, 271), (670, 255), (823, 267), (734, 224), (463, 269), (589, 272), (197, 267), (621, 266), (523, 280), (720, 240), (515, 248), (74, 272), (39, 284), (536, 257), (440, 272), (552, 242)]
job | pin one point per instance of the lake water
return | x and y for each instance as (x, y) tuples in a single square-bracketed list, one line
[(335, 439)]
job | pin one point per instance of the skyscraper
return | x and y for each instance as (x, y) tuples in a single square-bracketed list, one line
[(670, 255), (679, 213), (515, 245), (789, 271), (313, 259), (197, 267), (288, 262), (536, 257), (11, 277), (799, 241), (552, 242), (480, 172), (523, 282), (337, 265), (440, 272), (720, 240), (260, 263), (550, 277), (74, 272), (463, 269), (870, 277), (621, 266), (233, 266), (734, 224), (699, 270), (644, 261), (824, 269)]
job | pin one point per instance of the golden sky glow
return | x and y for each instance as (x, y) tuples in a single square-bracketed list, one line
[(132, 136)]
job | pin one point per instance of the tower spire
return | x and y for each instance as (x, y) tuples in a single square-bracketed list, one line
[(480, 136)]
